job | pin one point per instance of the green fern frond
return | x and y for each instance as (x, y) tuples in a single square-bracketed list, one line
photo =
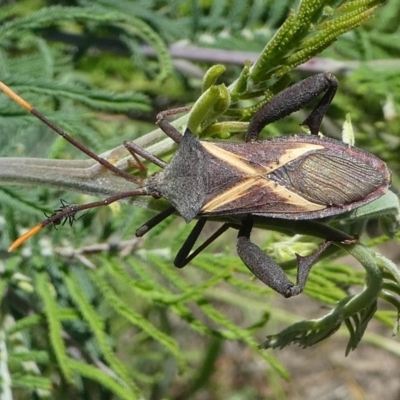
[(136, 318), (103, 378), (227, 330), (94, 98), (32, 355), (11, 198), (46, 293), (25, 323), (306, 33), (97, 326), (49, 16), (32, 382), (3, 287)]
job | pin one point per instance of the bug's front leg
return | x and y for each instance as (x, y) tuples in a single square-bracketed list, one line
[(185, 254), (166, 127), (267, 270)]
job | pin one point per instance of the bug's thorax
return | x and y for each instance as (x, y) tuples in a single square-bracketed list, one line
[(198, 172), (183, 182)]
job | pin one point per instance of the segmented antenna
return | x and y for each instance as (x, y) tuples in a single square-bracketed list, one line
[(67, 212)]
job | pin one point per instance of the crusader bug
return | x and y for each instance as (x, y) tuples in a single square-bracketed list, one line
[(296, 177)]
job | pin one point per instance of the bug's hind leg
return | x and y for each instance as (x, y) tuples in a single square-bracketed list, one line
[(267, 270), (294, 98)]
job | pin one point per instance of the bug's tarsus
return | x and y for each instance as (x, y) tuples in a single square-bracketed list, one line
[(267, 270), (294, 98)]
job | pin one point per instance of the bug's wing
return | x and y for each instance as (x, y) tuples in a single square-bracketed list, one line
[(296, 177), (258, 195)]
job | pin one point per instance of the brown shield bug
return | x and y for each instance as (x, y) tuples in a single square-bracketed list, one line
[(290, 177)]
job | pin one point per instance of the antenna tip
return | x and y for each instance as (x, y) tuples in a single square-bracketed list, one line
[(23, 238), (10, 93)]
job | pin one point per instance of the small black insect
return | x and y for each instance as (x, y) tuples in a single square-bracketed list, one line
[(295, 177), (70, 218)]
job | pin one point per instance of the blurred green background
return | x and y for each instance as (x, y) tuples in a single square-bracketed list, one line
[(91, 312)]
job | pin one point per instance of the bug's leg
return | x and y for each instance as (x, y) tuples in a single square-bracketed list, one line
[(267, 270), (150, 224), (167, 128), (183, 257), (163, 123), (136, 150), (294, 98)]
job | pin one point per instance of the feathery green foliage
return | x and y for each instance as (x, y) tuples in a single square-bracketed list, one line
[(89, 311)]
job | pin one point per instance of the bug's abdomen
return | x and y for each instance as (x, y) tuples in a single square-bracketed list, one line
[(294, 177), (326, 178)]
